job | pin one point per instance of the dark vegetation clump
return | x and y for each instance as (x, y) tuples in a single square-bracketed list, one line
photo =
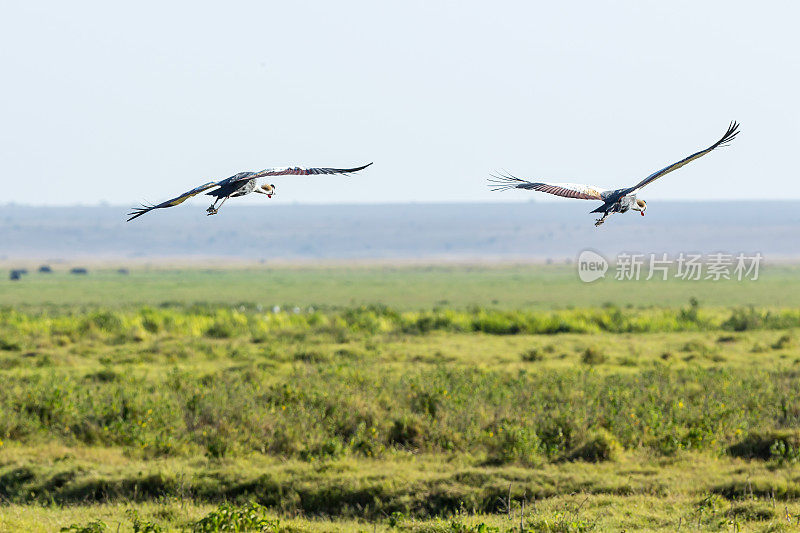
[(599, 446), (407, 431), (9, 345), (533, 355), (221, 330), (697, 347), (93, 526), (593, 356), (758, 348), (691, 314), (752, 511), (311, 356), (785, 341), (765, 488), (228, 517), (750, 319), (782, 446), (515, 443), (103, 376)]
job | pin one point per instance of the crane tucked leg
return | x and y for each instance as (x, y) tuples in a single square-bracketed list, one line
[(213, 210), (602, 219)]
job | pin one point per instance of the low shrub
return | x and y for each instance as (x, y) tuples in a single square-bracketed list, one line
[(514, 443), (752, 511), (557, 436), (593, 356), (140, 525), (95, 526), (785, 341), (533, 355), (781, 446), (696, 346), (744, 320), (406, 431), (760, 487), (311, 356), (599, 446), (9, 345), (227, 517)]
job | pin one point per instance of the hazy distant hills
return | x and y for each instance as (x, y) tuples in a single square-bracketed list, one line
[(277, 231)]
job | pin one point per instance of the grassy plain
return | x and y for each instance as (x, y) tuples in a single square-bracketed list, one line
[(157, 400), (522, 286)]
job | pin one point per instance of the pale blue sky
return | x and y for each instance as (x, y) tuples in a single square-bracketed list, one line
[(103, 103)]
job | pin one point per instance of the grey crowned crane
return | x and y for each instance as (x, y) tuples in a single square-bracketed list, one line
[(239, 185), (614, 200)]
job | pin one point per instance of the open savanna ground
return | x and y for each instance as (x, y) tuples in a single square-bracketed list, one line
[(412, 287), (642, 414)]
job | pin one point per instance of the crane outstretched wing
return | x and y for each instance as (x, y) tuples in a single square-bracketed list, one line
[(567, 190), (139, 211), (733, 131), (300, 171), (242, 176)]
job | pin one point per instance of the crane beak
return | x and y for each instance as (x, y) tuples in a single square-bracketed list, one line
[(642, 213)]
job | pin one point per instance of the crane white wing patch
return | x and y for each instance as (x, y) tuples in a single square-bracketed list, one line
[(503, 182), (567, 190)]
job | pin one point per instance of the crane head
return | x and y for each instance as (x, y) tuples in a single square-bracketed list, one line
[(267, 189), (641, 206)]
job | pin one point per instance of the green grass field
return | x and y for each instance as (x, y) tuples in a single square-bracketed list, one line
[(522, 286), (469, 399)]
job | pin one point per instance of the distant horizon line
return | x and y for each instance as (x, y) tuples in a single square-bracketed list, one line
[(413, 202)]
